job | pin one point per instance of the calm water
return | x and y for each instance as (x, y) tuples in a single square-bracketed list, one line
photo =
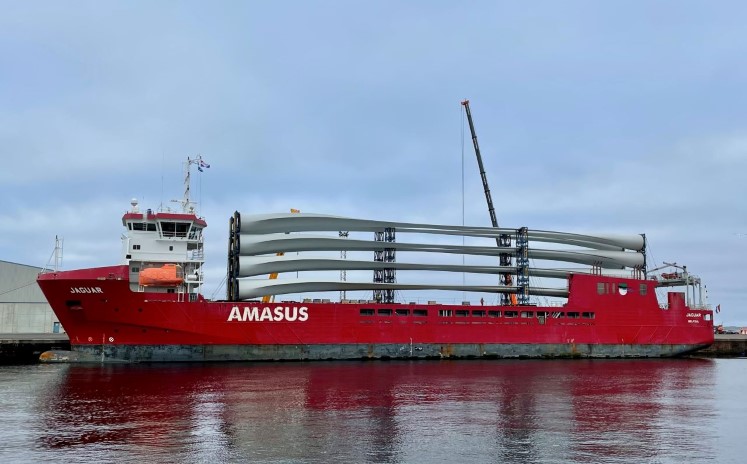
[(414, 412)]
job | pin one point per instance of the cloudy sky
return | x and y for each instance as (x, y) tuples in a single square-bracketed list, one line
[(591, 116)]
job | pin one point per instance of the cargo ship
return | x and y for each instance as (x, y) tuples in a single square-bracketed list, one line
[(151, 307)]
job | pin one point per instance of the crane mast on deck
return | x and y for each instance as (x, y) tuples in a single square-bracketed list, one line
[(504, 240)]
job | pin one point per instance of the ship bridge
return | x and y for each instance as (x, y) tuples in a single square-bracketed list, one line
[(164, 250)]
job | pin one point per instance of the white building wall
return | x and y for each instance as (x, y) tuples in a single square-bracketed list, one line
[(23, 308)]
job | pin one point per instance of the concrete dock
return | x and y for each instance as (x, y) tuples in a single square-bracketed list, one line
[(25, 348), (726, 346), (19, 348)]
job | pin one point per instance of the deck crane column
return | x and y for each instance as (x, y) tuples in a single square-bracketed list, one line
[(504, 240)]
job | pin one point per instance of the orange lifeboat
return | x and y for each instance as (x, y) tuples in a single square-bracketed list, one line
[(168, 275)]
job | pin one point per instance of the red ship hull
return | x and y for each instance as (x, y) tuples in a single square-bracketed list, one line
[(107, 321)]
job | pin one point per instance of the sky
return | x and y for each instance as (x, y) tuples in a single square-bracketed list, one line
[(623, 117)]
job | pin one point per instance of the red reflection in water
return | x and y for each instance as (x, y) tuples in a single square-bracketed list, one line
[(517, 409)]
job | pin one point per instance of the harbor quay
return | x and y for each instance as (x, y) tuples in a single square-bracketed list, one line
[(725, 346), (25, 348)]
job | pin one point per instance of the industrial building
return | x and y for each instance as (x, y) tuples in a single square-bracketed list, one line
[(23, 308)]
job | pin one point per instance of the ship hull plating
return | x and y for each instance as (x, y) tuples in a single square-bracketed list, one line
[(212, 353)]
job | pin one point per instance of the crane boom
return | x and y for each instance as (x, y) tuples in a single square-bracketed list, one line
[(491, 209), (503, 240)]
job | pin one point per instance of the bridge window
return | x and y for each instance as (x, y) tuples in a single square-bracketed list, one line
[(150, 227), (601, 290), (558, 315), (527, 314), (420, 312), (385, 312), (445, 312), (174, 229), (587, 315), (462, 313), (135, 247), (478, 313), (367, 312), (181, 229), (494, 314), (644, 289), (511, 313), (402, 312), (573, 315)]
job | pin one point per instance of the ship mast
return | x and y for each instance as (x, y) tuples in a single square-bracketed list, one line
[(187, 205)]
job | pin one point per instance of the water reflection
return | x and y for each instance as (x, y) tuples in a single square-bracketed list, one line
[(469, 411)]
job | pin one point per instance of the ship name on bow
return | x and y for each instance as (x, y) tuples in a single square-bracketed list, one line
[(268, 314), (86, 290)]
